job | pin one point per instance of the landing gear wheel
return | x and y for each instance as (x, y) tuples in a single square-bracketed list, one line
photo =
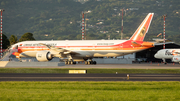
[(94, 62), (19, 59), (74, 62), (71, 62), (86, 63), (89, 62), (66, 62)]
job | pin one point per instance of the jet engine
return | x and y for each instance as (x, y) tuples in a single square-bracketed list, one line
[(176, 59), (43, 56)]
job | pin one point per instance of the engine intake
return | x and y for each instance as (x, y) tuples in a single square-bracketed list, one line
[(176, 59), (43, 56)]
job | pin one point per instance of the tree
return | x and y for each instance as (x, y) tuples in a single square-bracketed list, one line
[(13, 39), (5, 42), (26, 37)]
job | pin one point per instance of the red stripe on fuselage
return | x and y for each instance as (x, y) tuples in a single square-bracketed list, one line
[(127, 45)]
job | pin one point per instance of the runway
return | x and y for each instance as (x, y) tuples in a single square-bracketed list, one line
[(96, 77), (126, 66), (112, 66), (87, 77)]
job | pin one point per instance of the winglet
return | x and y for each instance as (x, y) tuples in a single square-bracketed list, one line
[(140, 33)]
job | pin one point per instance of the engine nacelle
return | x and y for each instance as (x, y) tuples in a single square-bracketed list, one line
[(176, 59), (43, 56)]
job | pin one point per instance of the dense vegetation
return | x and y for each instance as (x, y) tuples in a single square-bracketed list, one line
[(13, 39), (60, 19)]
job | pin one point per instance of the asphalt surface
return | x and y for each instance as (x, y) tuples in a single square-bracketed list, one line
[(126, 66), (87, 77), (96, 77), (115, 66)]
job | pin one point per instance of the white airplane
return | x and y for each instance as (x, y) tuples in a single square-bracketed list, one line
[(173, 54), (84, 50)]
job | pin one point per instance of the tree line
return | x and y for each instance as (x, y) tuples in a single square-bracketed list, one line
[(13, 39)]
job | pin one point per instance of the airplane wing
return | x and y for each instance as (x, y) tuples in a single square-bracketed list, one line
[(64, 53), (56, 50), (158, 44)]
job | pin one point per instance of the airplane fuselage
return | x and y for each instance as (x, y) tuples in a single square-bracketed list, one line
[(173, 54), (96, 48), (166, 53)]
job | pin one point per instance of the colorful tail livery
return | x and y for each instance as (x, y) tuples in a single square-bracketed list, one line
[(84, 50), (142, 29)]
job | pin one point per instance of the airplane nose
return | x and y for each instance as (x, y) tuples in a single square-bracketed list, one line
[(155, 56)]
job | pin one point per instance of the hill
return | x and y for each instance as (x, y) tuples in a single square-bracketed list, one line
[(60, 19)]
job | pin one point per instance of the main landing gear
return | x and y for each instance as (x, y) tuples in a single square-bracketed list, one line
[(20, 60), (86, 62), (70, 62), (90, 62)]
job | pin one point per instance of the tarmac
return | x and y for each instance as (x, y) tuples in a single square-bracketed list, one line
[(16, 64), (95, 77), (127, 66), (83, 66)]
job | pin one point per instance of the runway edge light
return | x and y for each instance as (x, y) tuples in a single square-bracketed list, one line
[(127, 76)]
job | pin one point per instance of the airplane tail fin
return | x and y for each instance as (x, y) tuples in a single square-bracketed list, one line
[(140, 33)]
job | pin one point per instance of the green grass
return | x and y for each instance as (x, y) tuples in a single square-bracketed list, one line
[(89, 91), (58, 70)]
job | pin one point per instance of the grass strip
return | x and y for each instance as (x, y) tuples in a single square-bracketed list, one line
[(89, 91), (112, 71)]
